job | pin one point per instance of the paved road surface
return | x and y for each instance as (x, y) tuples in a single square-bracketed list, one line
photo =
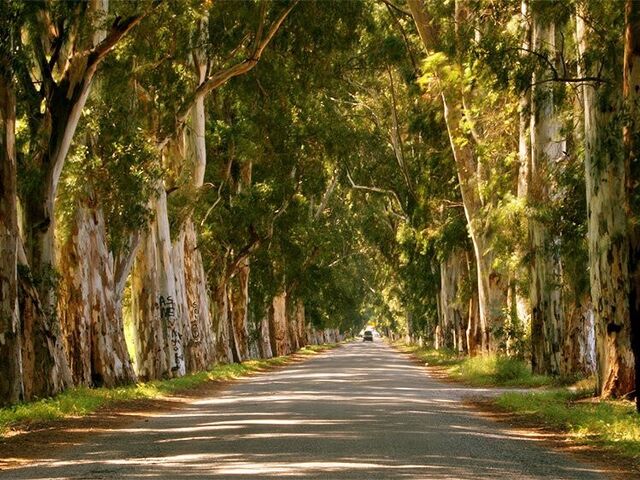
[(362, 411)]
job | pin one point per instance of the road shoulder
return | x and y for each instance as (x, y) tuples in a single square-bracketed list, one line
[(615, 466)]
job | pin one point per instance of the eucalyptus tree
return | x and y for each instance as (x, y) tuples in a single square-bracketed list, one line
[(600, 49), (62, 46), (102, 207), (216, 43), (447, 80), (547, 308), (631, 94), (11, 374)]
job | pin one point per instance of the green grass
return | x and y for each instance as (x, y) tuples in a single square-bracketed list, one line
[(488, 370), (83, 401), (498, 370), (611, 424)]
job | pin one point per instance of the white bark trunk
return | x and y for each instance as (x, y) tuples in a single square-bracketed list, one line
[(607, 235), (89, 307), (547, 309), (155, 311), (278, 325), (221, 325), (11, 383)]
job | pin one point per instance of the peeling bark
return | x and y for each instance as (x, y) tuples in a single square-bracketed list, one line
[(221, 325), (198, 341), (547, 309), (631, 92), (278, 326), (578, 350), (607, 228), (89, 307), (11, 386), (156, 313)]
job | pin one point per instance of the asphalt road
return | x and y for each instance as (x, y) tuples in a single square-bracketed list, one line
[(362, 411)]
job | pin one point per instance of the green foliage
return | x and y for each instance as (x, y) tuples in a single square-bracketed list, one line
[(329, 164)]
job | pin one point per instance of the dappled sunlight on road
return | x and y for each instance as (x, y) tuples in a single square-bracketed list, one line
[(360, 412)]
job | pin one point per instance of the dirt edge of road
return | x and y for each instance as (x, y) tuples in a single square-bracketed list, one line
[(39, 440), (609, 463)]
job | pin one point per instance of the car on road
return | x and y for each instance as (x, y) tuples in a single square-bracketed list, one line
[(368, 336)]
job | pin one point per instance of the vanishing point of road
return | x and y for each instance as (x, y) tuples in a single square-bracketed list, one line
[(362, 411)]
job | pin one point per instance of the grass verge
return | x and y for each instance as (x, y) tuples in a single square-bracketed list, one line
[(81, 401), (613, 425), (607, 424), (490, 370)]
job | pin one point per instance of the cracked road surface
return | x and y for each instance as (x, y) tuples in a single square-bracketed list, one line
[(362, 411)]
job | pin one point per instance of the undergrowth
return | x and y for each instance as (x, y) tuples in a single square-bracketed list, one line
[(485, 370), (613, 424)]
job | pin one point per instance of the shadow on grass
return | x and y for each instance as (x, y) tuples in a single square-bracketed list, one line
[(81, 401)]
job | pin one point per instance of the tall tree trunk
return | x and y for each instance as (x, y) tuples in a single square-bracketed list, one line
[(547, 310), (452, 277), (11, 387), (578, 351), (491, 291), (607, 226), (239, 285), (473, 333), (89, 308), (156, 314), (293, 317), (191, 281), (264, 340), (631, 92), (301, 323), (278, 325), (221, 324), (199, 341), (64, 102), (522, 304)]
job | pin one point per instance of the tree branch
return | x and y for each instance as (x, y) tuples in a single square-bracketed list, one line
[(398, 9), (326, 196), (396, 139), (407, 44), (119, 29), (221, 77), (384, 191)]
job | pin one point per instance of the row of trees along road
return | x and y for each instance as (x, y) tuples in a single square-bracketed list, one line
[(184, 183)]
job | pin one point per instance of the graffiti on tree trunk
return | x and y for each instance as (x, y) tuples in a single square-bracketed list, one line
[(168, 316), (195, 321)]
